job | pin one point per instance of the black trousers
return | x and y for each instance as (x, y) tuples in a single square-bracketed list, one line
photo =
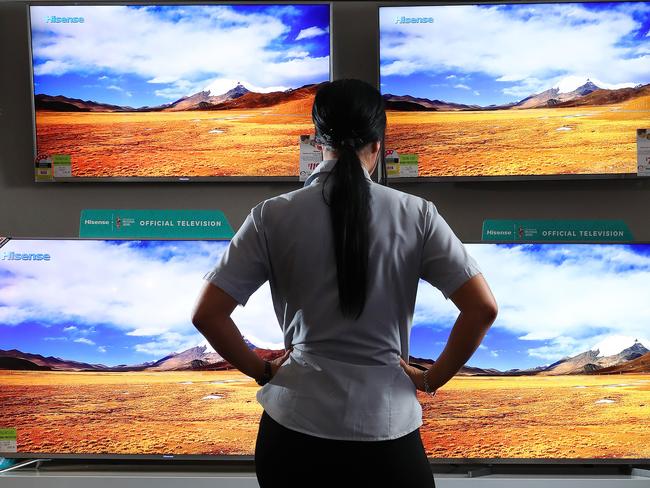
[(285, 458)]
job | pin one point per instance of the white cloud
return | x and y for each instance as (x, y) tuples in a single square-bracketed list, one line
[(101, 349), (613, 344), (570, 83), (592, 295), (477, 93), (596, 296), (400, 67), (168, 342), (450, 77), (131, 290), (70, 328), (219, 86), (297, 54), (55, 338), (53, 67), (120, 89), (310, 32), (462, 87), (257, 321), (530, 47), (192, 43), (178, 88), (83, 340)]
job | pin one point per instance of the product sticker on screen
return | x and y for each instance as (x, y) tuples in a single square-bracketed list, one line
[(401, 165), (43, 168), (520, 93), (8, 439), (310, 156), (62, 166), (203, 91)]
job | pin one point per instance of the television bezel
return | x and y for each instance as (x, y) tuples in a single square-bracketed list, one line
[(250, 458), (495, 178), (159, 179)]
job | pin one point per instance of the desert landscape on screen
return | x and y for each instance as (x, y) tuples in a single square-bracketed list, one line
[(539, 89), (216, 413), (598, 139), (250, 141)]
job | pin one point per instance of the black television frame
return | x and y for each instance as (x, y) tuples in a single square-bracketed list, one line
[(249, 459), (159, 179), (496, 178)]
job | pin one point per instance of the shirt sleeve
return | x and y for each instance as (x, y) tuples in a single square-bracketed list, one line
[(244, 266), (446, 263)]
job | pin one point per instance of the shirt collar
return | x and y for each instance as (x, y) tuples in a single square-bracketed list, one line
[(326, 167)]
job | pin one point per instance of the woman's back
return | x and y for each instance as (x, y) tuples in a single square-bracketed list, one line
[(299, 261)]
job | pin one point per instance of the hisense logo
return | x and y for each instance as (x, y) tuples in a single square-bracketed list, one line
[(414, 20), (17, 256), (53, 19)]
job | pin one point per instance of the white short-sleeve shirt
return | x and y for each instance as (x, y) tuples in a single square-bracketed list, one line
[(343, 379)]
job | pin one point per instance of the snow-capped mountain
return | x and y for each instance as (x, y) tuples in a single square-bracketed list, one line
[(554, 96), (592, 360)]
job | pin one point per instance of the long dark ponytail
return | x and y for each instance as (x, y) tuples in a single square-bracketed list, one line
[(348, 115)]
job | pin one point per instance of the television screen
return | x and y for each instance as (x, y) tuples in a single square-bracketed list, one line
[(517, 90), (98, 355), (176, 91)]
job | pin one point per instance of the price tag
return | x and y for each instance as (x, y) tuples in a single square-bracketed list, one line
[(310, 156), (8, 440), (62, 165), (43, 168)]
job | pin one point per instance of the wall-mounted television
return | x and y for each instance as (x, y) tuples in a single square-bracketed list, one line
[(517, 90), (97, 354), (172, 92)]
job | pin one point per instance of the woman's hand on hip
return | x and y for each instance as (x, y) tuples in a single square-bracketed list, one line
[(279, 361), (416, 375)]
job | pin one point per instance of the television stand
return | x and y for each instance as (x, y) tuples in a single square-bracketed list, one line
[(642, 473), (479, 471)]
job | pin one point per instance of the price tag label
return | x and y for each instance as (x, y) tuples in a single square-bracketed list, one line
[(8, 440), (62, 164), (310, 156)]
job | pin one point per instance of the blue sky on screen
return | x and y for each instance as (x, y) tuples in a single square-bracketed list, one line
[(129, 302), (115, 302), (495, 54), (150, 55), (554, 301)]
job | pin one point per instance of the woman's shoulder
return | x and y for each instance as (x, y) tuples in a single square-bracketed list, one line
[(284, 203), (384, 195)]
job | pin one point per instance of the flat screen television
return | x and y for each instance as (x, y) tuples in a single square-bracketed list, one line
[(172, 92), (98, 357), (517, 90)]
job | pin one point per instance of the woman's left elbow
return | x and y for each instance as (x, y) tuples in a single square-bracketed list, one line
[(197, 319)]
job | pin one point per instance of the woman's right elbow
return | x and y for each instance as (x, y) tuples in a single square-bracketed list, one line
[(489, 312)]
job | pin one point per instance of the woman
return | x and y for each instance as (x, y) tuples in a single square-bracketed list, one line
[(343, 256)]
